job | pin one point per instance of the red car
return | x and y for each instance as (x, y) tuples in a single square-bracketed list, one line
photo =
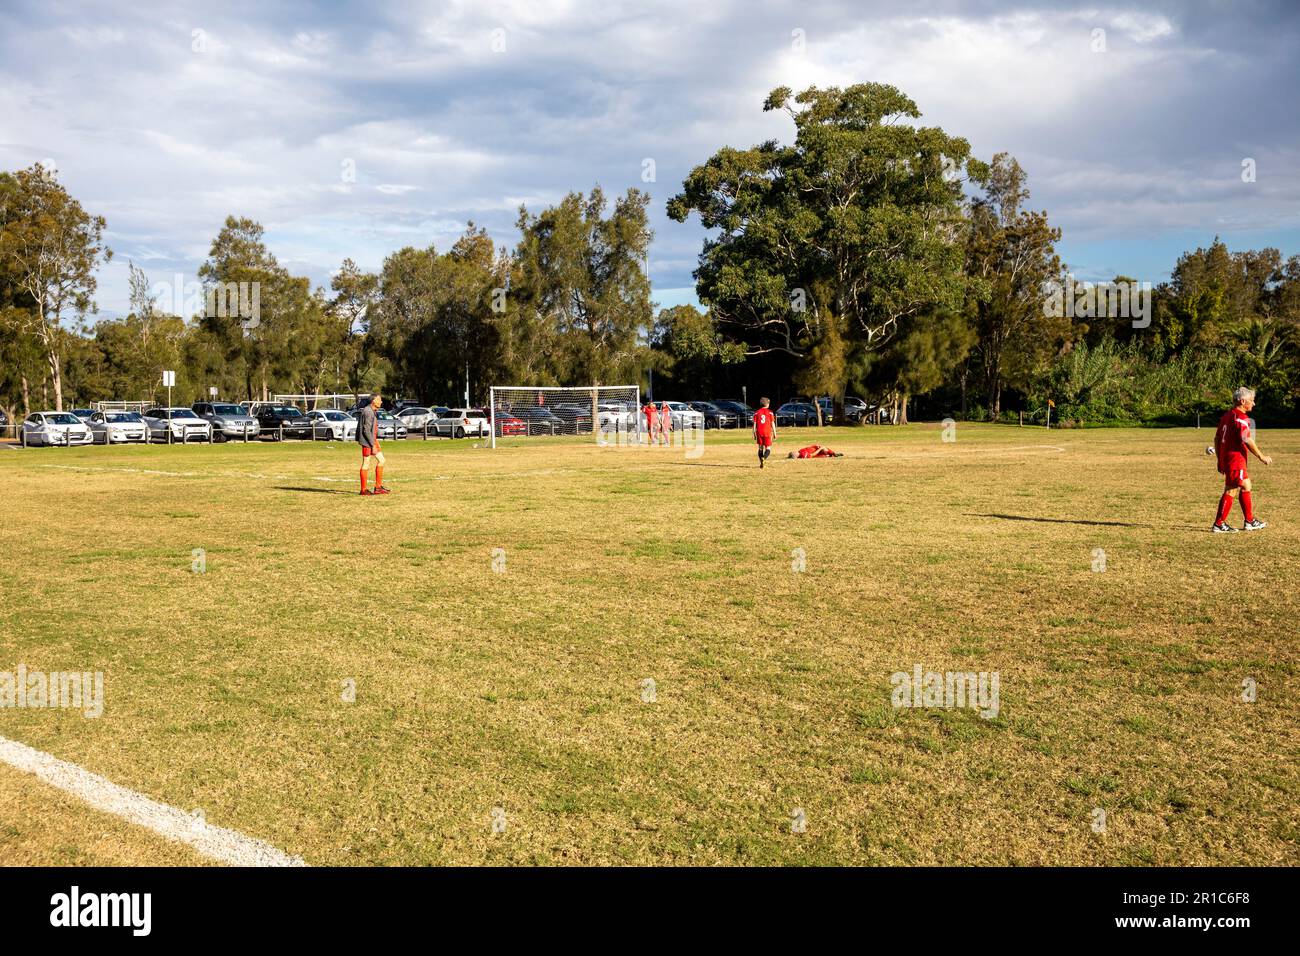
[(507, 424)]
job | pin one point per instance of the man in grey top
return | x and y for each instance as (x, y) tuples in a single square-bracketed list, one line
[(368, 439)]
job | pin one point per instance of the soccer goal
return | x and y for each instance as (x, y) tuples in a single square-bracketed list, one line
[(609, 413)]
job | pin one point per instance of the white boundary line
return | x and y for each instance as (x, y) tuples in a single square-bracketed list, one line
[(217, 843)]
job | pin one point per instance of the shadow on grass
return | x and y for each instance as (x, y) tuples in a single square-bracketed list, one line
[(1109, 524), (709, 464), (315, 491)]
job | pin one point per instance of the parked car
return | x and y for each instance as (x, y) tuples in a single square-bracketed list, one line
[(459, 422), (328, 424), (83, 413), (4, 421), (855, 409), (508, 424), (55, 428), (683, 416), (282, 421), (176, 425), (715, 417), (577, 417), (613, 416), (389, 425), (110, 428), (228, 421), (388, 404), (539, 419), (796, 413), (415, 417), (744, 414)]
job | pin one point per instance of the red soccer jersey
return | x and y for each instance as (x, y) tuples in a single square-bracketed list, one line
[(763, 421), (1234, 429)]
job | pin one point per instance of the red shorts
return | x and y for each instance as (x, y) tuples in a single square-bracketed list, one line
[(367, 452), (1233, 477), (765, 440)]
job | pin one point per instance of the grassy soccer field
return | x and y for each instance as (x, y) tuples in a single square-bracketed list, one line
[(522, 689)]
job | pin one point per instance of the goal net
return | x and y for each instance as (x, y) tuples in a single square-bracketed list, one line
[(609, 413)]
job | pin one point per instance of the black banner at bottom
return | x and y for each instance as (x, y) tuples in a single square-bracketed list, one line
[(1222, 907)]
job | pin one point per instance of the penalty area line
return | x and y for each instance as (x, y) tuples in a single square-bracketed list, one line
[(216, 843)]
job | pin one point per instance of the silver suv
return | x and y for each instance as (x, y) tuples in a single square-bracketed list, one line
[(228, 421)]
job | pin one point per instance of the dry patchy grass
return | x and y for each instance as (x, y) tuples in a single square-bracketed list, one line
[(1120, 690)]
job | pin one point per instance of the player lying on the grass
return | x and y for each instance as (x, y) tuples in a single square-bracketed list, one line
[(816, 451), (368, 439), (1232, 439), (764, 430)]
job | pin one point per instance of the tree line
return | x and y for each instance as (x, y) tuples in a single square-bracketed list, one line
[(872, 256)]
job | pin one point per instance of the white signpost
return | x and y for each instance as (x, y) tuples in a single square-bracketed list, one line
[(169, 379)]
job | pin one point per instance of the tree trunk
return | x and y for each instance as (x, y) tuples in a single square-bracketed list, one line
[(27, 398), (56, 374), (964, 373), (903, 416)]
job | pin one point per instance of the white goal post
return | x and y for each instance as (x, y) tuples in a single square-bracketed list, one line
[(596, 410)]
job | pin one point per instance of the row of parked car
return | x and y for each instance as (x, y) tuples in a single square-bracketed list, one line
[(247, 421), (222, 421)]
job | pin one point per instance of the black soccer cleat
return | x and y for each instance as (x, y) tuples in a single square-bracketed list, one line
[(1254, 524), (1224, 528)]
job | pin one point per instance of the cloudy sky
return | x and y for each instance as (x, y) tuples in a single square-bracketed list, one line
[(353, 129)]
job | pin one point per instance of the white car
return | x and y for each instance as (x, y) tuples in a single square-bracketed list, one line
[(613, 416), (683, 416), (415, 417), (459, 422), (55, 428), (176, 425), (328, 424), (110, 428)]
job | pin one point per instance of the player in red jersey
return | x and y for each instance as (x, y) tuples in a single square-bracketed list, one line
[(1232, 439), (816, 451), (651, 422), (764, 430), (666, 424)]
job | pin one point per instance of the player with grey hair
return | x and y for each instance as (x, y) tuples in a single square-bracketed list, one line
[(1232, 440)]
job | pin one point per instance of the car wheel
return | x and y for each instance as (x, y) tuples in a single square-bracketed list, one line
[(460, 433)]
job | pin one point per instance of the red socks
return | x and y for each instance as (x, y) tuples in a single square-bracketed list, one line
[(1225, 507), (379, 476), (1247, 507), (363, 479)]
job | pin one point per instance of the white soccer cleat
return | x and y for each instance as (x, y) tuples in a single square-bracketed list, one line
[(1224, 529), (1254, 525)]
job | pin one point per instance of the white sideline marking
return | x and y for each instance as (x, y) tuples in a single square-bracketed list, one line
[(173, 474), (217, 843)]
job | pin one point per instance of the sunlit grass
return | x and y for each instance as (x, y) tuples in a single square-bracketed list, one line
[(1120, 690)]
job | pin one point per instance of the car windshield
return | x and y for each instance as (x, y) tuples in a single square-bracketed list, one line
[(62, 418), (336, 416), (415, 410), (288, 411), (182, 413), (227, 410), (121, 417)]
